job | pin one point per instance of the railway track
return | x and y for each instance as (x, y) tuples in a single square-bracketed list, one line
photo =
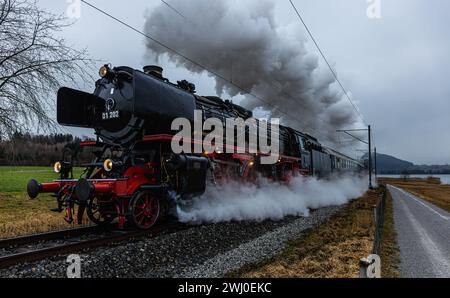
[(22, 240), (37, 247)]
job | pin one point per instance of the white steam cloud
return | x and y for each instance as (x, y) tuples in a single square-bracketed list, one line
[(271, 200), (242, 41)]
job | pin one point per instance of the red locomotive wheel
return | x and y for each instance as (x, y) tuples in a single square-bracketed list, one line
[(95, 215), (144, 210)]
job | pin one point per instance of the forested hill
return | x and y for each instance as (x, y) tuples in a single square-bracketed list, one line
[(388, 164)]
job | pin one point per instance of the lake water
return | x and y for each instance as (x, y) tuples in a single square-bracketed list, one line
[(445, 179)]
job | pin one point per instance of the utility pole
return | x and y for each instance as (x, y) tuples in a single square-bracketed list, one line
[(370, 158), (375, 159), (369, 143)]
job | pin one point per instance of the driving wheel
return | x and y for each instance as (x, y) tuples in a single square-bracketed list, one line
[(144, 210)]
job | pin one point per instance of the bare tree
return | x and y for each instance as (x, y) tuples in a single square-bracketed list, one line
[(34, 62)]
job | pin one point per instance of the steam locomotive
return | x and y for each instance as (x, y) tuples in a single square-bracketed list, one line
[(135, 176)]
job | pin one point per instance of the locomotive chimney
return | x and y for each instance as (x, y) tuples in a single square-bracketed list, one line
[(154, 70)]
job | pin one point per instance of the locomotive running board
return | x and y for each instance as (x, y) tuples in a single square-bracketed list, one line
[(153, 187), (90, 180)]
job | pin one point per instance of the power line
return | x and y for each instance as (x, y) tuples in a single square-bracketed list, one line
[(326, 61), (197, 64), (173, 8), (288, 95)]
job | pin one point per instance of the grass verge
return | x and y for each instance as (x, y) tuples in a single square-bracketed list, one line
[(18, 214), (331, 250), (21, 216), (430, 190), (15, 179), (390, 253)]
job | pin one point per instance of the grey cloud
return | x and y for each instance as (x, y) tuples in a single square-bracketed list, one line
[(397, 68)]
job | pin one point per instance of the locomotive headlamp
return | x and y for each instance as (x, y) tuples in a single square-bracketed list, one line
[(104, 71), (57, 167), (108, 165), (63, 168)]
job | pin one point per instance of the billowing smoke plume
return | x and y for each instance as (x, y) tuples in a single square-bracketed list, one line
[(242, 41), (271, 200)]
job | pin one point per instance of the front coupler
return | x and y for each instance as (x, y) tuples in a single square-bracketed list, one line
[(72, 192)]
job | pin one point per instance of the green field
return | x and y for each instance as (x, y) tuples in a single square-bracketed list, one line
[(19, 214), (15, 179)]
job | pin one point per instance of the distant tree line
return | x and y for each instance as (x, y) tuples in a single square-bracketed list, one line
[(24, 149)]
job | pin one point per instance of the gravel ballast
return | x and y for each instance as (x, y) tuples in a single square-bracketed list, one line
[(259, 249), (200, 251)]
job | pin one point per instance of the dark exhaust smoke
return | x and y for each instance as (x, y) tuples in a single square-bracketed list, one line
[(244, 42)]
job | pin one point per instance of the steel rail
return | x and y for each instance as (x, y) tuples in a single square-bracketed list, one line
[(58, 250), (63, 234)]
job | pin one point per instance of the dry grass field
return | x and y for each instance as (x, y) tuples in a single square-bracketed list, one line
[(390, 253), (332, 250), (429, 189), (18, 214), (21, 216)]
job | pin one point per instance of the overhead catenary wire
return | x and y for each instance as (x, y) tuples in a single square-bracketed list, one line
[(198, 64), (173, 8), (326, 61)]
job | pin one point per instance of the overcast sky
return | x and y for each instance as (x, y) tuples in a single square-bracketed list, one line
[(397, 68)]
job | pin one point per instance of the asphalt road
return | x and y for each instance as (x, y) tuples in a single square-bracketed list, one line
[(423, 233)]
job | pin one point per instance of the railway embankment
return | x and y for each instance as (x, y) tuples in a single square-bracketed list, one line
[(333, 249)]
